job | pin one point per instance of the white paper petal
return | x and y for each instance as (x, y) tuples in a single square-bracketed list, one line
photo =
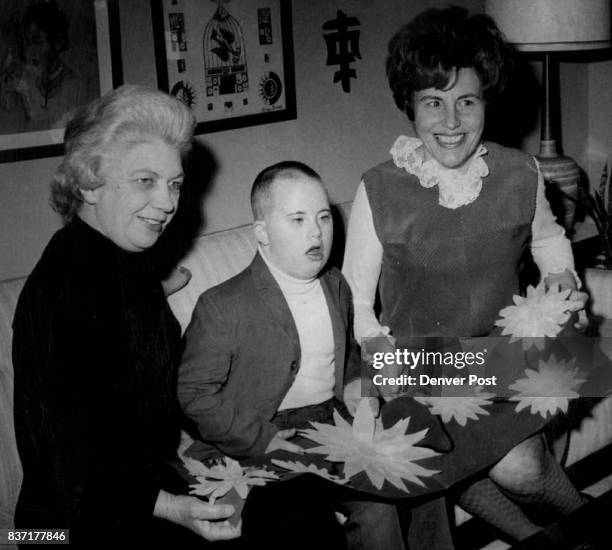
[(389, 455)]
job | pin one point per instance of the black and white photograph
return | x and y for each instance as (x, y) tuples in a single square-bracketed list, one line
[(306, 274)]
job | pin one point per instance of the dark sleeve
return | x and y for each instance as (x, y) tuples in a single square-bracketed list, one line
[(82, 459), (352, 369), (210, 349)]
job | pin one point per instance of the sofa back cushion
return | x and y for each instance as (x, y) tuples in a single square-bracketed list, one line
[(10, 467), (213, 259)]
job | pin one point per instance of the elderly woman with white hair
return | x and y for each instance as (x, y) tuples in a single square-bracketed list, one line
[(95, 345)]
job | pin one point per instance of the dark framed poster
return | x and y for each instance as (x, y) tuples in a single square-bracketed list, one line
[(231, 61), (55, 55)]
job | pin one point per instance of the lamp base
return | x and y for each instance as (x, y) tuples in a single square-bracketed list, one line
[(563, 173)]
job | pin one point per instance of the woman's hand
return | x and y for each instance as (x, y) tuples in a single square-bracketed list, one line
[(577, 299), (177, 279), (201, 517), (577, 302)]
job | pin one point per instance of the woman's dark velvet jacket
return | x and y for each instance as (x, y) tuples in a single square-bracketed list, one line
[(95, 351)]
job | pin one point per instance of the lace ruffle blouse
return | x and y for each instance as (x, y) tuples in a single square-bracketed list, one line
[(456, 187)]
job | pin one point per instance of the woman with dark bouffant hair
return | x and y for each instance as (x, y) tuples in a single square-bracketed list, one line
[(439, 230), (96, 347)]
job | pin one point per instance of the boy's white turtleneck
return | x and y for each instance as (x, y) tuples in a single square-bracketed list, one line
[(314, 382)]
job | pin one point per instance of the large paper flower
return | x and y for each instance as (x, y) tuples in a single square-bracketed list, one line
[(549, 389), (466, 404), (300, 468), (216, 481), (383, 454), (542, 313)]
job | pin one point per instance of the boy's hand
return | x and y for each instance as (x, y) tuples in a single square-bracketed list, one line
[(384, 344), (184, 444), (279, 443), (352, 397)]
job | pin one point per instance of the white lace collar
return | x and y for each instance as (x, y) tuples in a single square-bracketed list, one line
[(456, 188)]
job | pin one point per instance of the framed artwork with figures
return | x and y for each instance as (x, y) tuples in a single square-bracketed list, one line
[(231, 61), (54, 56)]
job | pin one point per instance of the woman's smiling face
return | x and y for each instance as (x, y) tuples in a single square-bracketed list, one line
[(139, 197), (450, 122)]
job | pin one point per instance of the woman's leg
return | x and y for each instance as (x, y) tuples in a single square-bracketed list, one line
[(484, 500), (531, 475)]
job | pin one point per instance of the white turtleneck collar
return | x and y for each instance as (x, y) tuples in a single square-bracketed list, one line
[(288, 283)]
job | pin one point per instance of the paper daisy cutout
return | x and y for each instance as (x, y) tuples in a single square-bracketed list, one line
[(466, 405), (549, 389), (541, 313), (299, 468), (216, 481), (382, 454)]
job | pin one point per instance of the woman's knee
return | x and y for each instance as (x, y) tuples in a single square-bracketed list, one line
[(523, 467)]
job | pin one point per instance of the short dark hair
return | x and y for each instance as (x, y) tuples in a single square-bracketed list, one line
[(262, 186), (427, 52)]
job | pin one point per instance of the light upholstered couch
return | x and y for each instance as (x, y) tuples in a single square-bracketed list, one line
[(212, 259)]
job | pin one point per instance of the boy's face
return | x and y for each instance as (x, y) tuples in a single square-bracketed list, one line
[(297, 231)]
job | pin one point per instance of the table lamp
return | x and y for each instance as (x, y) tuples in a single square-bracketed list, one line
[(548, 27)]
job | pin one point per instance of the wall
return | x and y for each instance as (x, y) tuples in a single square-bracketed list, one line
[(600, 119), (575, 104), (337, 133)]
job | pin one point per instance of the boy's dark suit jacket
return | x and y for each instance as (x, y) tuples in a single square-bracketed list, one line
[(242, 354)]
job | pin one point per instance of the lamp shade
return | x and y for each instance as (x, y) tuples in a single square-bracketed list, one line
[(553, 25)]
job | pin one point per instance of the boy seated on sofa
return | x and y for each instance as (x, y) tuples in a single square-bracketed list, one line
[(270, 350)]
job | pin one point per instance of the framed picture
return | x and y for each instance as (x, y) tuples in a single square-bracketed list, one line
[(231, 61), (54, 56)]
